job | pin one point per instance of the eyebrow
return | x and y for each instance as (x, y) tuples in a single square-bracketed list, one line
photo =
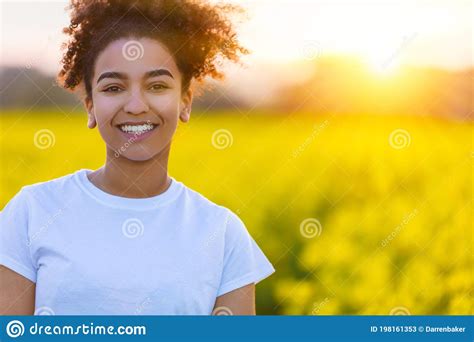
[(122, 76)]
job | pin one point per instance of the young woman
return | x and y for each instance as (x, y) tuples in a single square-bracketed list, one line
[(128, 238)]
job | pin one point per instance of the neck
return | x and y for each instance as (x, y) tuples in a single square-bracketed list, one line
[(134, 179)]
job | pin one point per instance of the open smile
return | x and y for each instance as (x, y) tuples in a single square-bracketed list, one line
[(137, 131)]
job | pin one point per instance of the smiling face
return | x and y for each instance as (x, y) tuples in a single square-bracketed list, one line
[(137, 98)]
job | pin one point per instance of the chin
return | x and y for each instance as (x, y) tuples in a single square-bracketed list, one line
[(139, 156), (136, 154)]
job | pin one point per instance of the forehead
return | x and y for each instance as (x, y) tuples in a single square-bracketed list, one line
[(134, 57)]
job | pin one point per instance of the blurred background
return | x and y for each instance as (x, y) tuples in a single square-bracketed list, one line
[(344, 141)]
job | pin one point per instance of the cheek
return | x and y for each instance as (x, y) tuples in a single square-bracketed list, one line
[(105, 109), (166, 106)]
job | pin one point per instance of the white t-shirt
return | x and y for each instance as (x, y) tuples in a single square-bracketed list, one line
[(93, 253)]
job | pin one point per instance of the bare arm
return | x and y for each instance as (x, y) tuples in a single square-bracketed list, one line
[(240, 301), (17, 294)]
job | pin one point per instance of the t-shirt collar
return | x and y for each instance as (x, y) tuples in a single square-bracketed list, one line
[(126, 202)]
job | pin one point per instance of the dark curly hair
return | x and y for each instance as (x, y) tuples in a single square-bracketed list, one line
[(199, 36)]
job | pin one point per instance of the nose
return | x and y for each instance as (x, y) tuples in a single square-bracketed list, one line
[(136, 104)]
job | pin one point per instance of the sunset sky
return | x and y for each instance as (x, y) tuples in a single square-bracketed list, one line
[(385, 34)]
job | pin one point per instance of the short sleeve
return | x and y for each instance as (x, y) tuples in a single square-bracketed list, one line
[(244, 261), (14, 241)]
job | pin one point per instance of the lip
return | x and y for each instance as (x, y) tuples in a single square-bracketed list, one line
[(134, 137), (136, 123)]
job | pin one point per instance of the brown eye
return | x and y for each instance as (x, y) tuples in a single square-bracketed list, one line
[(112, 89), (158, 87)]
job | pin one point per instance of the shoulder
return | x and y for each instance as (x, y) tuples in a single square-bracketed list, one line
[(47, 190), (207, 207), (52, 183), (219, 218)]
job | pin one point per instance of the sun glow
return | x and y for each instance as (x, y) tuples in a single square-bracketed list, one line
[(385, 34)]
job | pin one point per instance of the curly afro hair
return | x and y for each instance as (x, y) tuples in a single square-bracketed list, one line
[(199, 35)]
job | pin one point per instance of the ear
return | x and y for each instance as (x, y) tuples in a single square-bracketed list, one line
[(186, 104), (91, 122)]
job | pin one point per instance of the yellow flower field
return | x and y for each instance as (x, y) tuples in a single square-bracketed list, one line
[(359, 214)]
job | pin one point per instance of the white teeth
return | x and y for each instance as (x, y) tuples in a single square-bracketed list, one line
[(138, 129)]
